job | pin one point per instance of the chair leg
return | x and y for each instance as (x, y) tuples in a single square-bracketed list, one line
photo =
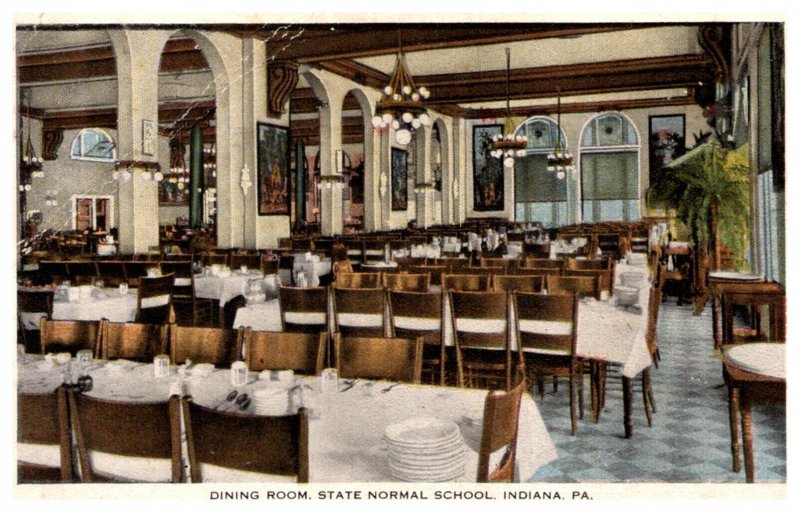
[(580, 391), (555, 383), (647, 393), (540, 386), (572, 415)]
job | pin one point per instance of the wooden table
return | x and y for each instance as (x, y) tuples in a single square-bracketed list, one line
[(718, 287), (745, 389)]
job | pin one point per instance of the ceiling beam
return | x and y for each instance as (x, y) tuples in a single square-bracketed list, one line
[(178, 55), (347, 41), (578, 79), (107, 117)]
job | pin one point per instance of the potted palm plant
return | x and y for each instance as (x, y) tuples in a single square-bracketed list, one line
[(709, 189)]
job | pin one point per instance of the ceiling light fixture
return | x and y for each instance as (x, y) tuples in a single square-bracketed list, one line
[(400, 106), (560, 161), (508, 145), (31, 164)]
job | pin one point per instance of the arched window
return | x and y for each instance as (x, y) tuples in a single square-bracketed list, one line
[(93, 145), (539, 195), (609, 169)]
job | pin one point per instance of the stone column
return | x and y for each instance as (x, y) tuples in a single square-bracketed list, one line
[(424, 189), (137, 58)]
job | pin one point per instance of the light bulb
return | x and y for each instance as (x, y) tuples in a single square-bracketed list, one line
[(387, 118), (425, 119), (126, 176), (403, 136), (521, 153), (27, 188), (407, 89), (508, 162), (115, 175), (377, 121), (551, 169), (415, 97), (396, 96), (395, 124), (424, 92), (560, 174), (407, 117), (388, 90), (158, 176), (416, 123)]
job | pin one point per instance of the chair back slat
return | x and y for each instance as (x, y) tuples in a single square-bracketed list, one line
[(216, 346), (154, 299), (500, 429), (407, 282), (360, 311), (132, 341), (43, 419), (379, 358), (517, 282), (466, 282), (69, 336), (303, 353)]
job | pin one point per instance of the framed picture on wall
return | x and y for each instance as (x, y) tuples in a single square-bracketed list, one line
[(399, 180), (273, 169), (667, 142), (488, 178), (149, 137)]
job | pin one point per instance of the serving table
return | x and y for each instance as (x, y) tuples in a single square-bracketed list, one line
[(345, 438)]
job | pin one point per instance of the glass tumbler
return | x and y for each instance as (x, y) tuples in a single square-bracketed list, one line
[(239, 374), (330, 381), (161, 365)]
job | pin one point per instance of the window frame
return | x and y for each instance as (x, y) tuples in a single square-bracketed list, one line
[(80, 139)]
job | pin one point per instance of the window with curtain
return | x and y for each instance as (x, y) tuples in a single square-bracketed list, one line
[(609, 169), (539, 195)]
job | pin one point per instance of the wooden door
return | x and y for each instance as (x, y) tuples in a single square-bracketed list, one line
[(83, 213)]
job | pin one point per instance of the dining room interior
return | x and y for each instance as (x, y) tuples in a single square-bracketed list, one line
[(401, 252)]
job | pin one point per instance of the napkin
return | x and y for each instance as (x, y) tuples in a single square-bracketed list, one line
[(202, 370), (283, 376)]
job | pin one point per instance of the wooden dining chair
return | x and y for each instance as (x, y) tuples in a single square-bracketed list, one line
[(500, 430), (82, 272), (605, 278), (216, 346), (758, 307), (419, 315), (480, 329), (359, 312), (543, 263), (154, 300), (589, 264), (545, 273), (435, 271), (269, 267), (31, 307), (136, 270), (582, 285), (379, 358), (358, 280), (54, 269), (251, 261), (226, 446), (304, 310), (208, 259), (183, 294), (303, 353), (517, 282), (112, 272), (407, 282), (495, 263), (132, 341), (127, 430), (547, 331), (466, 282), (69, 336), (44, 449)]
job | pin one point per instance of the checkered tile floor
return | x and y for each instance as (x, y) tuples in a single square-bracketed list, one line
[(690, 437)]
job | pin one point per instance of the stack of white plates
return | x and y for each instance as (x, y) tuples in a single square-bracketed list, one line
[(425, 450), (271, 402)]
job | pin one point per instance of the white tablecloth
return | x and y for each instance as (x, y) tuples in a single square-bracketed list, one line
[(223, 289), (313, 268), (346, 440), (111, 306)]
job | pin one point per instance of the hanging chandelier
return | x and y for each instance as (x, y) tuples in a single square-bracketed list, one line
[(507, 145), (560, 161), (400, 106), (31, 164)]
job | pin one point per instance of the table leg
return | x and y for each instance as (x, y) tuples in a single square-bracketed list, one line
[(747, 437), (627, 397), (733, 413), (715, 321)]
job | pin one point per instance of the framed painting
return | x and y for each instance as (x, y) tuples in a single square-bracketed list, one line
[(173, 191), (487, 172), (399, 180), (667, 142), (273, 169)]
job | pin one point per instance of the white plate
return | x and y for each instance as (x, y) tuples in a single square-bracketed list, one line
[(423, 431), (735, 276), (443, 476), (765, 359), (407, 454)]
